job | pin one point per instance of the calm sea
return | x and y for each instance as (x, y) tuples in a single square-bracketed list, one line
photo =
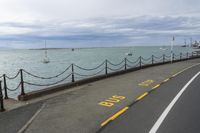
[(31, 60)]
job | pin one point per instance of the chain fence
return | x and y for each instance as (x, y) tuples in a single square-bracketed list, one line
[(74, 72)]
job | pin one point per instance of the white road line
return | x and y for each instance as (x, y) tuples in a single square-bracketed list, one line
[(169, 107)]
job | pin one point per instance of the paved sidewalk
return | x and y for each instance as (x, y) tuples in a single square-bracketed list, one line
[(78, 110), (12, 121)]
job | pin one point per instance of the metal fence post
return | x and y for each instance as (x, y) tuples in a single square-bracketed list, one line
[(163, 58), (73, 73), (180, 56), (22, 83), (173, 57), (5, 87), (106, 67), (140, 61), (152, 59), (125, 63), (1, 99)]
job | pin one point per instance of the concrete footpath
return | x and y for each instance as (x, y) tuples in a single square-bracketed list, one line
[(83, 109)]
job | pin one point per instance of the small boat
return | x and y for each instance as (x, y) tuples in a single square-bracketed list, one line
[(129, 54), (46, 59), (184, 46), (162, 48)]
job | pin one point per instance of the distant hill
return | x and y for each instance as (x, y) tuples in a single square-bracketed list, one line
[(47, 48)]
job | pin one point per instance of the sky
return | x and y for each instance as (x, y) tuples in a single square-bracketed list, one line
[(97, 23)]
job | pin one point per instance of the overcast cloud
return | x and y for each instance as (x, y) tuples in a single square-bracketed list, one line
[(97, 22)]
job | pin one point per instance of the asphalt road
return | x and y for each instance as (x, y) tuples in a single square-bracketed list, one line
[(171, 108)]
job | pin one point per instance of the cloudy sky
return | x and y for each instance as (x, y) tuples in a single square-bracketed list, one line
[(91, 23)]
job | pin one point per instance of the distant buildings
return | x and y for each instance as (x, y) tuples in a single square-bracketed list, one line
[(196, 44)]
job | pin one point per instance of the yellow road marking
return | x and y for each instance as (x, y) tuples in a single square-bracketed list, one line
[(146, 93), (185, 69), (166, 80), (106, 104), (146, 83), (142, 96), (174, 75), (112, 101), (115, 116), (156, 86), (105, 122), (119, 113), (177, 73)]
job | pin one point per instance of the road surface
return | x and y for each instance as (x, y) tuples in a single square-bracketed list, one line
[(171, 108)]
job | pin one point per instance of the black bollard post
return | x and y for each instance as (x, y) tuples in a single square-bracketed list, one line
[(22, 83), (140, 61), (125, 64), (163, 58), (1, 99), (5, 87), (180, 56), (152, 59), (73, 73), (106, 67)]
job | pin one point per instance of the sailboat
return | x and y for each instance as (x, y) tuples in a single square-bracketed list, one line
[(129, 53), (46, 59)]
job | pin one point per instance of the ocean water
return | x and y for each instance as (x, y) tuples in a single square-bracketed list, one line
[(31, 60)]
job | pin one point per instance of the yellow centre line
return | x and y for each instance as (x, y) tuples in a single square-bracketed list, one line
[(156, 86), (166, 80), (105, 122), (174, 75), (177, 73), (142, 96), (115, 116), (119, 113)]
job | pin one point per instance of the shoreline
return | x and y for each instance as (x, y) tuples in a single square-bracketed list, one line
[(100, 47)]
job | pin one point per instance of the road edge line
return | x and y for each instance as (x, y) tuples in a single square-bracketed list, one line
[(162, 117)]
